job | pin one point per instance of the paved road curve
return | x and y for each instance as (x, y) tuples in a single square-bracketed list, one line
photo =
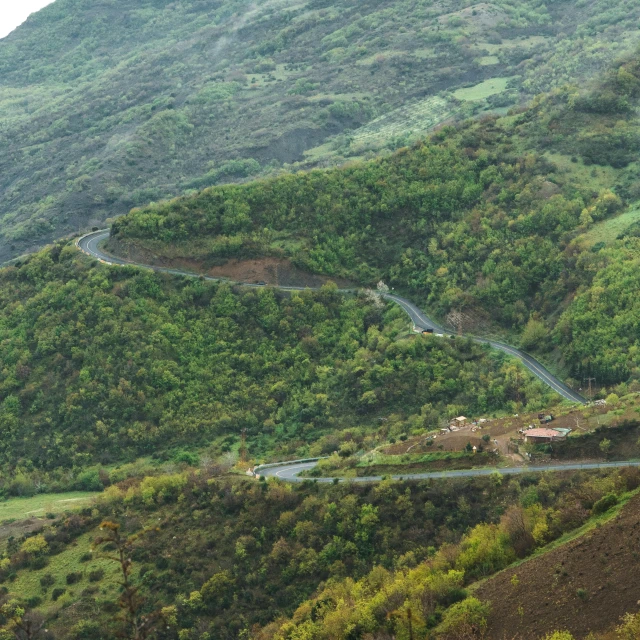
[(424, 322), (290, 472), (90, 244)]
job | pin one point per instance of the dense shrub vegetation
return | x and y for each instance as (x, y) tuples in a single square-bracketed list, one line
[(600, 329), (103, 364), (231, 554), (476, 220), (460, 229)]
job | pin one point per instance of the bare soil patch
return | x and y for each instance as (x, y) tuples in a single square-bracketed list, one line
[(455, 441), (502, 430), (584, 586), (268, 270), (273, 271)]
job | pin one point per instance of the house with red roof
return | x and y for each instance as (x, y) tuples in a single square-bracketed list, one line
[(540, 436)]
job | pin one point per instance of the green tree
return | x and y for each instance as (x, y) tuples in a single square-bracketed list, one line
[(605, 446), (466, 619), (534, 335)]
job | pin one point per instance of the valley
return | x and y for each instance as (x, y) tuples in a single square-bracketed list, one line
[(320, 320)]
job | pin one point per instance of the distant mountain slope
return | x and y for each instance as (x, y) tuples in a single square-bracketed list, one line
[(110, 104)]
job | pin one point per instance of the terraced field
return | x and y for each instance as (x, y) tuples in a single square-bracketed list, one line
[(416, 118)]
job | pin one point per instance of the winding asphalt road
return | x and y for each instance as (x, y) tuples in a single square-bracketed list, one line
[(90, 245), (421, 321), (290, 472)]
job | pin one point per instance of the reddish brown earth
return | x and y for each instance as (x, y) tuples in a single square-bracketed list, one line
[(456, 441), (545, 598), (496, 428), (270, 270), (274, 271)]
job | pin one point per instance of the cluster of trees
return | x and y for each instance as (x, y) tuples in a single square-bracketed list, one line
[(105, 364), (234, 557), (600, 331)]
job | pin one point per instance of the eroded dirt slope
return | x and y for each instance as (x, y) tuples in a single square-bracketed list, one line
[(269, 270)]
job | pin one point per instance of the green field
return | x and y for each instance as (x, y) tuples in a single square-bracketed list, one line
[(608, 230), (482, 90), (71, 560), (38, 506), (488, 60)]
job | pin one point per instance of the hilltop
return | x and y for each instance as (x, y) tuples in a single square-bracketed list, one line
[(112, 105)]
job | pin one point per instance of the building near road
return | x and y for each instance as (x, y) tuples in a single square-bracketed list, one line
[(460, 421), (540, 436)]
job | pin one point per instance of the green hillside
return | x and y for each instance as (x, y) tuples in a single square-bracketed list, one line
[(102, 365), (494, 220), (479, 158), (237, 558), (429, 600), (114, 104)]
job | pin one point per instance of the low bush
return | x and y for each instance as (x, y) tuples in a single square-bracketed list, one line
[(96, 575), (73, 577), (605, 503), (47, 580)]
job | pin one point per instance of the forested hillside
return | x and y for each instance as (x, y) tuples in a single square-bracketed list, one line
[(427, 601), (106, 364), (502, 220), (113, 104), (235, 558)]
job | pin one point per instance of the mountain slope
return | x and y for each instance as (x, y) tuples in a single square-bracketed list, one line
[(232, 555), (585, 586), (491, 220), (106, 364), (112, 104), (428, 601)]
